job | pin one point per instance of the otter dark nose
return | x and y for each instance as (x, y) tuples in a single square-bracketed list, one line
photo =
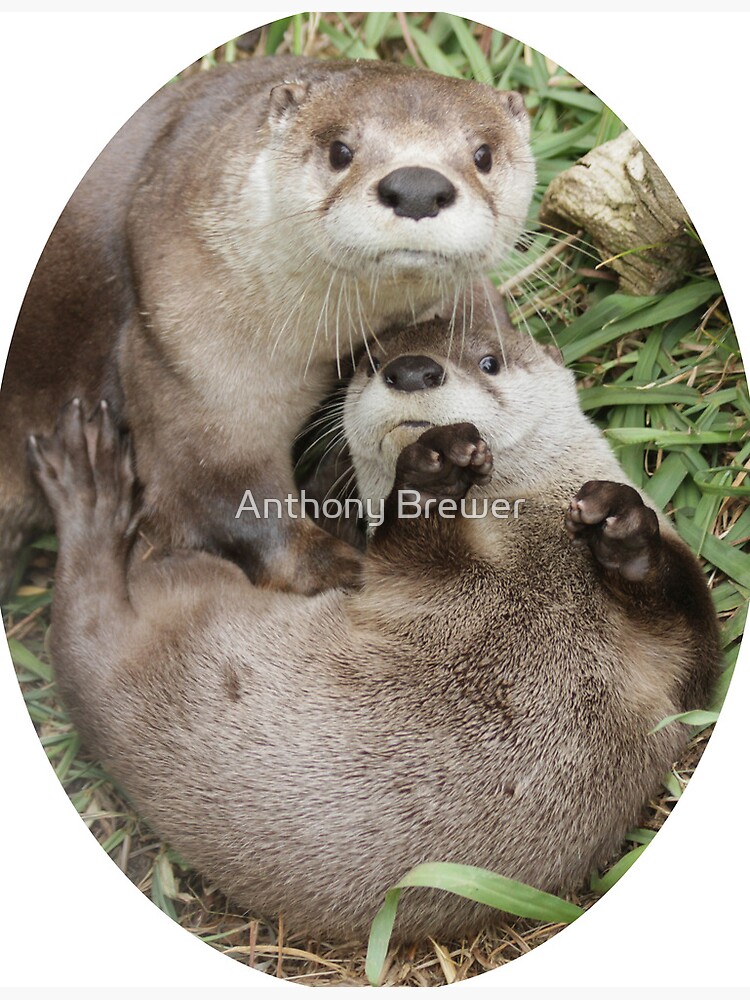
[(416, 192), (412, 373)]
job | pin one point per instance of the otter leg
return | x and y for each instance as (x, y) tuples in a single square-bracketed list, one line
[(112, 614), (287, 555), (652, 573)]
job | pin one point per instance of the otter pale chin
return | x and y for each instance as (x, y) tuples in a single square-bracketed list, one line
[(490, 695), (241, 234)]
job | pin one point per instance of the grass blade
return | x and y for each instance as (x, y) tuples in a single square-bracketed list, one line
[(480, 68), (473, 883), (433, 57), (616, 395), (696, 718), (376, 24), (640, 835), (351, 48), (380, 936), (619, 314), (731, 560), (275, 36), (672, 439), (673, 786), (573, 99), (45, 542), (707, 481), (23, 657), (605, 882)]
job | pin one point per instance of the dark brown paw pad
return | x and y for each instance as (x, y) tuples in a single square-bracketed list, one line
[(445, 461), (613, 521)]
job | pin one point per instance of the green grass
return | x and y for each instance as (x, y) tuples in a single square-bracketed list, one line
[(472, 883), (662, 375)]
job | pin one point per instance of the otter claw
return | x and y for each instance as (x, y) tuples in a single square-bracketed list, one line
[(85, 470)]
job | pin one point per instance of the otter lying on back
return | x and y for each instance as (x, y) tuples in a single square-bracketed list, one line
[(487, 698)]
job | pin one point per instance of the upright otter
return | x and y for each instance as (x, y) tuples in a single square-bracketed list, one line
[(244, 230), (488, 697)]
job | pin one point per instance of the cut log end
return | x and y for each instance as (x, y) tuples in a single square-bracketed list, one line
[(618, 195)]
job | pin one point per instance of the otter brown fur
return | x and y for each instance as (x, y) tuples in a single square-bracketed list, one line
[(243, 231), (488, 697)]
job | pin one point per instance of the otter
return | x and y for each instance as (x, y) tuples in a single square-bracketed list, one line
[(244, 231), (489, 696)]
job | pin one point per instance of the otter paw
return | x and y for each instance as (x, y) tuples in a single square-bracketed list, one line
[(445, 461), (85, 469), (621, 531), (322, 562)]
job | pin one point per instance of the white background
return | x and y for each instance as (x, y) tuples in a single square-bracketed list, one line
[(68, 917)]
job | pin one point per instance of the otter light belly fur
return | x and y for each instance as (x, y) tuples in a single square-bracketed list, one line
[(246, 229), (488, 696)]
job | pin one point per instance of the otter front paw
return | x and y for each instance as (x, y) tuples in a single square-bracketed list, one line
[(445, 462), (621, 531), (85, 469)]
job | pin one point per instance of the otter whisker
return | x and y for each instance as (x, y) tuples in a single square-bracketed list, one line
[(498, 326), (321, 313), (538, 264), (452, 321), (350, 327), (330, 415), (366, 333), (519, 313), (347, 476), (339, 439)]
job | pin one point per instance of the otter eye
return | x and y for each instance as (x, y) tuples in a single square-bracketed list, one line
[(483, 159), (490, 365), (340, 155), (374, 366)]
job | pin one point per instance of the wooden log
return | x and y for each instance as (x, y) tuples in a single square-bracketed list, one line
[(620, 197)]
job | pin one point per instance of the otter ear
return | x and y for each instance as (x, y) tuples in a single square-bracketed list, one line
[(515, 105), (554, 352), (286, 98)]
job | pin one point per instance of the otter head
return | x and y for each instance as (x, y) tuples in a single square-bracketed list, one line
[(514, 390), (398, 174)]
